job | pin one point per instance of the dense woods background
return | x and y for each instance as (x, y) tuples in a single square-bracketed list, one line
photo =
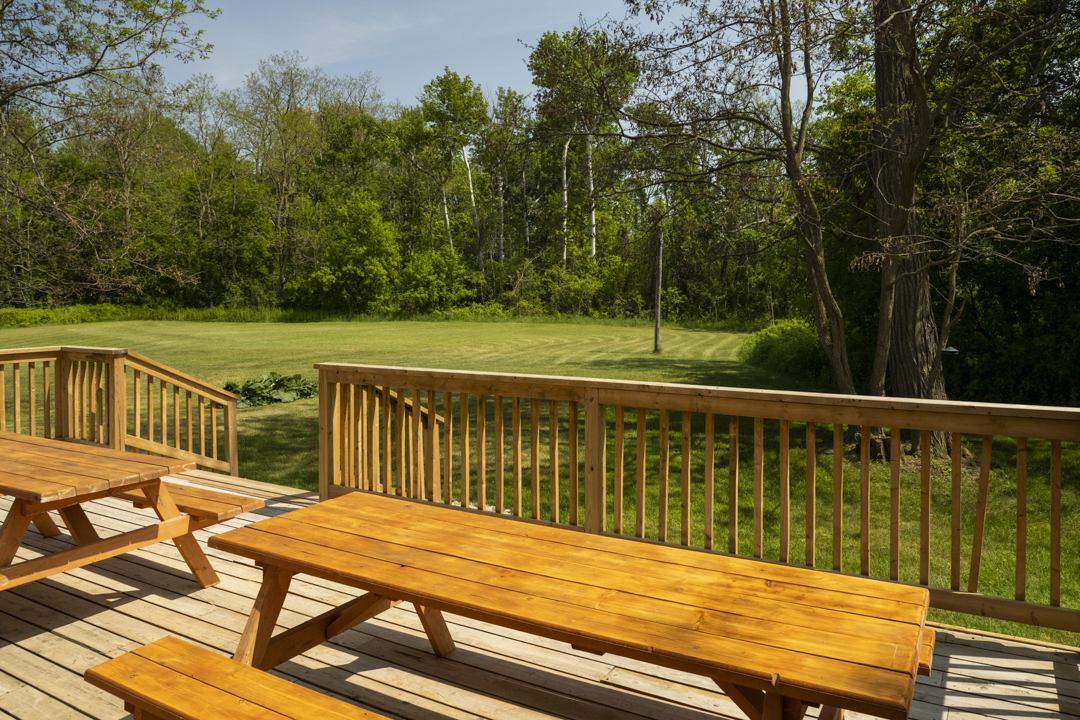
[(891, 179)]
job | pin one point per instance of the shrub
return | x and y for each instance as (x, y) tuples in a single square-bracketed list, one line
[(791, 347), (433, 281), (272, 388)]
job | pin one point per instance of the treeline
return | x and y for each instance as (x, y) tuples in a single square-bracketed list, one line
[(900, 181), (301, 190)]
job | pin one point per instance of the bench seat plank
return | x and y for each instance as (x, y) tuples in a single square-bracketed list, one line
[(202, 503), (175, 680)]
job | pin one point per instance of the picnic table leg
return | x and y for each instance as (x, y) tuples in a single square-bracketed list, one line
[(264, 614), (831, 713), (45, 525), (78, 525), (435, 627), (196, 559), (15, 526)]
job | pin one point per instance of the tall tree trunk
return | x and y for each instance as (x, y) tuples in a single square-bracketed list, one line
[(502, 222), (592, 195), (907, 331), (565, 199), (446, 217), (659, 284), (524, 206), (475, 214)]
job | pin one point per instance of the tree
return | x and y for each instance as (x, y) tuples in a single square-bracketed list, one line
[(583, 77), (455, 111)]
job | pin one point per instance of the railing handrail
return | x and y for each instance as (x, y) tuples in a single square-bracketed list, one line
[(1050, 423)]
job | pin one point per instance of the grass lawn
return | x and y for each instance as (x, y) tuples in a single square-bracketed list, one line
[(279, 443)]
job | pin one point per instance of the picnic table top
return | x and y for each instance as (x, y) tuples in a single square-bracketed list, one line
[(819, 637), (43, 470)]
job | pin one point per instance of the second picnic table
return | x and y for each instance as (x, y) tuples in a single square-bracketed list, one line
[(43, 475), (775, 638)]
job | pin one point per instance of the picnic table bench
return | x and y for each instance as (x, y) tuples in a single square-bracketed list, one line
[(775, 638)]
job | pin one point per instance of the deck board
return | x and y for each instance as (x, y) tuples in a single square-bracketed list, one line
[(53, 629)]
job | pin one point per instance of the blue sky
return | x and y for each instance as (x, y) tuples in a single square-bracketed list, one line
[(405, 43)]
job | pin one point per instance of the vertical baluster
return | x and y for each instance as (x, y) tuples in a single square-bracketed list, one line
[(150, 412), (466, 465), (924, 510), (176, 416), (685, 478), (864, 500), (759, 486), (1021, 514), (811, 494), (417, 438), (894, 503), (1055, 523), (980, 513), (838, 497), (665, 467), (481, 452), (202, 424), (534, 455), (553, 464), (91, 402), (47, 397), (574, 459), (371, 466), (346, 434), (620, 446), (187, 416), (31, 368), (399, 440), (17, 398), (448, 447), (213, 430), (733, 484), (785, 493), (164, 417), (102, 411), (639, 525), (137, 398), (500, 459), (3, 398), (431, 449), (957, 459), (387, 454), (710, 479), (515, 413)]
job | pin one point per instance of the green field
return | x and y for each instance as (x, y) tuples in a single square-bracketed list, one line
[(279, 443)]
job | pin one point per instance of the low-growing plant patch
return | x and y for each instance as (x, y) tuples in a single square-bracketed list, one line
[(271, 389)]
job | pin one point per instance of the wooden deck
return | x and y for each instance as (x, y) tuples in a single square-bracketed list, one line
[(52, 630)]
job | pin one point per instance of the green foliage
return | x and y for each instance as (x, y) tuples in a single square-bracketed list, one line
[(356, 270), (272, 388), (70, 315), (789, 346), (432, 281)]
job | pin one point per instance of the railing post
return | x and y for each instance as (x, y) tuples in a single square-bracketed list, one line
[(63, 395), (231, 451), (118, 402), (329, 457), (595, 481)]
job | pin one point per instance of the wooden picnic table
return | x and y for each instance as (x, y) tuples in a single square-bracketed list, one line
[(44, 474), (775, 638)]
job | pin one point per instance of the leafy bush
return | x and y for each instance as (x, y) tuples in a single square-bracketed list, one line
[(354, 273), (272, 388), (791, 347), (432, 281), (71, 315)]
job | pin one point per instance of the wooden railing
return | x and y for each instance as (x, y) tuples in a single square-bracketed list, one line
[(119, 399), (599, 449)]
